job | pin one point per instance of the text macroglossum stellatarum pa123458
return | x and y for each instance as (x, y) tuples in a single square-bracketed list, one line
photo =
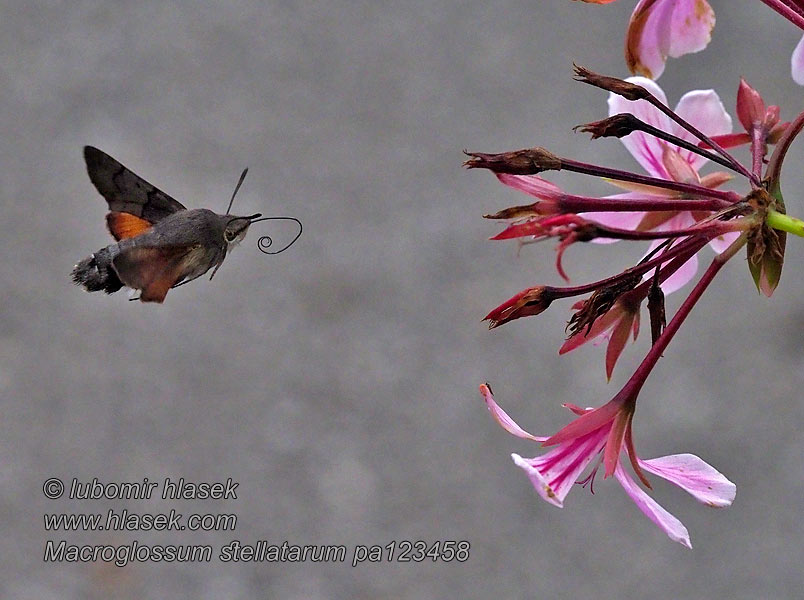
[(160, 243)]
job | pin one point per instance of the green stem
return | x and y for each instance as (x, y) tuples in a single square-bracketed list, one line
[(780, 221)]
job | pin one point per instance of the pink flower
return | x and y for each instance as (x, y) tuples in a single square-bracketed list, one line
[(607, 430), (662, 28)]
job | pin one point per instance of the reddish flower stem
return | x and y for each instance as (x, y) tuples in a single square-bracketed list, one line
[(777, 158), (738, 166), (686, 188), (686, 247), (637, 380), (729, 163), (790, 11), (758, 149), (796, 5), (632, 91), (581, 204), (711, 230), (674, 265)]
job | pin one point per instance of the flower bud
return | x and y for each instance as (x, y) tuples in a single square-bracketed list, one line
[(529, 161), (750, 106), (629, 91), (526, 303)]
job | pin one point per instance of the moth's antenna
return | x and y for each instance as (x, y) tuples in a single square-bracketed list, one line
[(265, 241), (237, 187)]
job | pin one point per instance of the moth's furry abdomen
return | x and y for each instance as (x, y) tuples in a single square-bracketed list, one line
[(95, 273)]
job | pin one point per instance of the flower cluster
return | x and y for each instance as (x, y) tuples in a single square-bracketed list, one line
[(675, 207)]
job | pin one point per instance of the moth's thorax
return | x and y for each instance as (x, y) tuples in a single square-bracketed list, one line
[(195, 226)]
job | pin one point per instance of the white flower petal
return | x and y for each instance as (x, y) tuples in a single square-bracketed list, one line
[(721, 243), (539, 482), (674, 528), (646, 149), (695, 476), (502, 417), (704, 110), (797, 63)]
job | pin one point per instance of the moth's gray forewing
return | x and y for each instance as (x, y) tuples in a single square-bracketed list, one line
[(153, 270), (125, 191)]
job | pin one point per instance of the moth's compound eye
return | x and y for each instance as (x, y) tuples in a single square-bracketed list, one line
[(230, 235)]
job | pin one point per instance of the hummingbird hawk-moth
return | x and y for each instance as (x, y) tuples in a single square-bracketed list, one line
[(160, 244)]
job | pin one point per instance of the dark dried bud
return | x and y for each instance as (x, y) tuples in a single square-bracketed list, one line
[(529, 161), (599, 303), (615, 126), (658, 318), (526, 303), (586, 232), (629, 91)]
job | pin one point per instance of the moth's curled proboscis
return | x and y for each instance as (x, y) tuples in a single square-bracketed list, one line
[(265, 242)]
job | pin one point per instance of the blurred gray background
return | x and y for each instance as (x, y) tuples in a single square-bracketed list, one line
[(337, 382)]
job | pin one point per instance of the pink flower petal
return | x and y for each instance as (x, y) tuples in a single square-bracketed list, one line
[(646, 149), (530, 228), (797, 63), (730, 140), (691, 27), (687, 271), (647, 38), (554, 473), (599, 327), (678, 167), (720, 243), (577, 409), (619, 337), (704, 110), (674, 528), (539, 482), (502, 417), (696, 477), (682, 277), (617, 220), (532, 185), (595, 421), (717, 178), (663, 28)]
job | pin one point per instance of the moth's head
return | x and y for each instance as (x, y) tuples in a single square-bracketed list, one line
[(235, 228)]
